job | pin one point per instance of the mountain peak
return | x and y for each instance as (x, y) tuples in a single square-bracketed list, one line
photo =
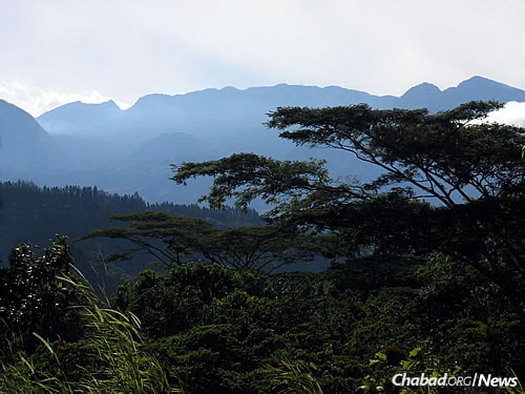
[(67, 117), (106, 104), (488, 88), (229, 89), (77, 107), (423, 89), (478, 80), (110, 103)]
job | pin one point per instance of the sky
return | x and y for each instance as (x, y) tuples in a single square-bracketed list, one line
[(57, 51)]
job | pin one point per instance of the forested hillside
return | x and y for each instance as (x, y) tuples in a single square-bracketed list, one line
[(36, 215)]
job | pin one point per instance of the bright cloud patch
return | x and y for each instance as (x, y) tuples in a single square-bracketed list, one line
[(36, 100), (513, 113)]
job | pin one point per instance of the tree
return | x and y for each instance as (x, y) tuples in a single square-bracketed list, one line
[(450, 184), (174, 240), (34, 299)]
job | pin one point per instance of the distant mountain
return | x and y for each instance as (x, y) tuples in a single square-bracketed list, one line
[(79, 118), (476, 88), (231, 119), (168, 148), (147, 169), (85, 132), (424, 95), (222, 117), (25, 147), (130, 150)]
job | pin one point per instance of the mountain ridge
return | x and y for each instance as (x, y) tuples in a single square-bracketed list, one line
[(477, 81), (127, 151)]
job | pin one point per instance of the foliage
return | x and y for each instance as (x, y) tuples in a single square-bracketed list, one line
[(108, 356), (386, 364), (211, 328), (246, 176), (175, 240), (111, 351), (294, 378), (232, 325), (32, 299), (445, 155), (472, 169)]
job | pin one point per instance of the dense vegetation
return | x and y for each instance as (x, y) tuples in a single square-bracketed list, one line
[(427, 271), (33, 214)]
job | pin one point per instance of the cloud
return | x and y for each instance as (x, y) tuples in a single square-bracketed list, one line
[(36, 100), (513, 113), (130, 48)]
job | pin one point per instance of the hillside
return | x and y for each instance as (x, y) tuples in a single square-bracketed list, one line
[(25, 147)]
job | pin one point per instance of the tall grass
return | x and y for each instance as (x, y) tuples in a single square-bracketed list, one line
[(293, 377), (110, 357)]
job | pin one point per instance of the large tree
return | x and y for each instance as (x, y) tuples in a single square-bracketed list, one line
[(451, 183)]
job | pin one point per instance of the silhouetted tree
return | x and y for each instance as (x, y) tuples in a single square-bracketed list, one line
[(175, 240), (472, 169)]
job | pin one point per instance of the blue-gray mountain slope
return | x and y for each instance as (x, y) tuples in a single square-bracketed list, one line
[(129, 150)]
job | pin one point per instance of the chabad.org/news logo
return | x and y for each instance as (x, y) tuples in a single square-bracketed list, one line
[(476, 380)]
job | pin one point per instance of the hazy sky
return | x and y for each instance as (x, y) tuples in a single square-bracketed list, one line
[(56, 51)]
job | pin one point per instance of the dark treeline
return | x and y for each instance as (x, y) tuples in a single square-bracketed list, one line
[(33, 214)]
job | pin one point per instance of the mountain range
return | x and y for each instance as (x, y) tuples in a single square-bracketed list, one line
[(130, 150)]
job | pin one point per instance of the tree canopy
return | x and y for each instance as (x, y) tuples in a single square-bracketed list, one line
[(174, 240), (451, 156), (451, 183)]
